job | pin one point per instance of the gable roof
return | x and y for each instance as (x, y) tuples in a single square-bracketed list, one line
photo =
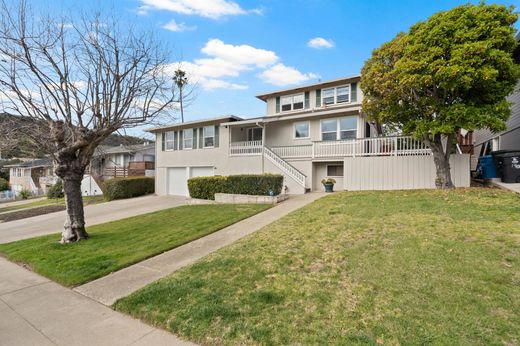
[(123, 149), (187, 124)]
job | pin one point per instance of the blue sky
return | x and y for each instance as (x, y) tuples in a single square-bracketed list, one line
[(238, 49)]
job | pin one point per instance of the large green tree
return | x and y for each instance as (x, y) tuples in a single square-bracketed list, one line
[(449, 72)]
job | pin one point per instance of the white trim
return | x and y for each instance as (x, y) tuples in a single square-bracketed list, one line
[(335, 89), (302, 122), (184, 139), (171, 141)]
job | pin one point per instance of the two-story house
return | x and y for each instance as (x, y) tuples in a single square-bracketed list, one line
[(308, 133)]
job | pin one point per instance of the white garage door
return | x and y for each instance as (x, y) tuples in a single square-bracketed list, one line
[(177, 184), (202, 172), (178, 180)]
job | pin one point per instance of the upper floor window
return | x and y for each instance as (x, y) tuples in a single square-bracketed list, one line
[(209, 136), (187, 139), (335, 95), (292, 102), (340, 128), (302, 130), (170, 140)]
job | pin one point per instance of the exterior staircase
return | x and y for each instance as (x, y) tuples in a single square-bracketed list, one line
[(288, 170)]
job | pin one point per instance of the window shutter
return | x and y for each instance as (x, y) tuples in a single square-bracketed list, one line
[(216, 136), (307, 100), (163, 141), (318, 98), (201, 138), (175, 140), (353, 92), (194, 138), (278, 104), (180, 140)]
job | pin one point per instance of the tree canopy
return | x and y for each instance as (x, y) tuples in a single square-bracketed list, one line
[(449, 72)]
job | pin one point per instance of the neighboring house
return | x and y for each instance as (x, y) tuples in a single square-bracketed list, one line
[(309, 133), (34, 175), (485, 141), (124, 160)]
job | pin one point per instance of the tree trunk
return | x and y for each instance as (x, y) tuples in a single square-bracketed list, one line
[(74, 228), (441, 158)]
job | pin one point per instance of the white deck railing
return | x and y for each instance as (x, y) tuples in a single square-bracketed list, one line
[(247, 148), (378, 146)]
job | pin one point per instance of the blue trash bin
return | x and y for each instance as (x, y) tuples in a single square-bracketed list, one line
[(486, 167)]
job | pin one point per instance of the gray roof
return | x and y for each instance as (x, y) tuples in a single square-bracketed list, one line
[(226, 118), (44, 162), (122, 149), (264, 96)]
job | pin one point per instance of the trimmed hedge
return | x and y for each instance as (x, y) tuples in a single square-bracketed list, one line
[(119, 188), (247, 184), (4, 184)]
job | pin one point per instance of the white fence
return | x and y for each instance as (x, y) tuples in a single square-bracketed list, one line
[(401, 172), (247, 148)]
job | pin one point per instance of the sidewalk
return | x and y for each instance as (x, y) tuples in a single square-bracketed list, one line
[(94, 214), (21, 202), (36, 311), (119, 284), (511, 187)]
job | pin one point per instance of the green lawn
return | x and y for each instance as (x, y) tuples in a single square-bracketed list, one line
[(42, 203), (404, 267), (117, 244)]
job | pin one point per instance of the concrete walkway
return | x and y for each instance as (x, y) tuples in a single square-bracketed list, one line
[(94, 214), (511, 187), (36, 311), (21, 202), (123, 282)]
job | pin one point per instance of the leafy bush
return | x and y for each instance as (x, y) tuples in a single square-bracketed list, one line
[(247, 184), (119, 188), (4, 184), (56, 191), (328, 181), (25, 193)]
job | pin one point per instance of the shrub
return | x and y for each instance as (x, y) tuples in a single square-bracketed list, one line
[(250, 184), (56, 191), (4, 184), (119, 188), (25, 194)]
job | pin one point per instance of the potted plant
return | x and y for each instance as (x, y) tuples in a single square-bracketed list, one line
[(328, 183)]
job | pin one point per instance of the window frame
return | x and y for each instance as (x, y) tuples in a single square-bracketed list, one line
[(251, 135), (204, 137), (166, 141), (184, 132), (302, 94), (308, 123), (338, 128), (335, 165), (335, 88)]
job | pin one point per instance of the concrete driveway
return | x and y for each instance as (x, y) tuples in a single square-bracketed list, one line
[(94, 214)]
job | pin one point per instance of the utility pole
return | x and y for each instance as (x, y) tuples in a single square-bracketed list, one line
[(180, 80)]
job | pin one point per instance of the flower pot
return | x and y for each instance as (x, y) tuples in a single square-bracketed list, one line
[(329, 187)]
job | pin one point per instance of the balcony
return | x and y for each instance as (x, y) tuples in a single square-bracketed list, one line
[(379, 146)]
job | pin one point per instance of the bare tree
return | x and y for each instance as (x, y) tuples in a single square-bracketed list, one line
[(82, 80)]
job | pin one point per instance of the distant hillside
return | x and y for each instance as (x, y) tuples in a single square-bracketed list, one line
[(25, 148)]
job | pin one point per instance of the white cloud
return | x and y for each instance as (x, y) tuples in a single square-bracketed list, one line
[(241, 55), (320, 43), (172, 25), (211, 84), (281, 75), (205, 8)]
